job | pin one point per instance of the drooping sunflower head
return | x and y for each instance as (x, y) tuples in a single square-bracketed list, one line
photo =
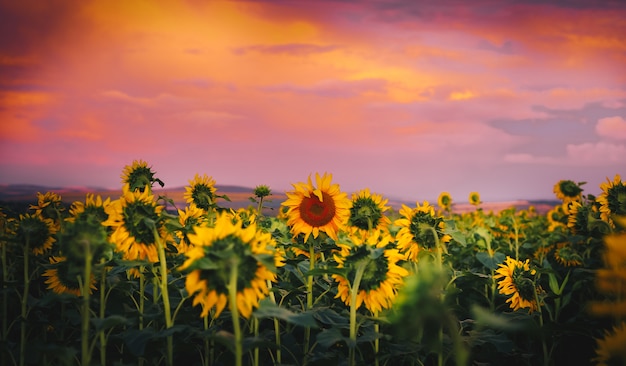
[(474, 198), (368, 211), (372, 256), (418, 227), (49, 206), (226, 250), (582, 219), (62, 277), (133, 219), (92, 210), (444, 201), (610, 350), (567, 256), (568, 191), (201, 192), (262, 190), (612, 200), (188, 219), (517, 282), (317, 208), (37, 232), (83, 240), (139, 176)]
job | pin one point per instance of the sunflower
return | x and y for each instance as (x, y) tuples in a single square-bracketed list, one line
[(191, 217), (444, 201), (201, 192), (568, 191), (612, 200), (130, 218), (37, 231), (62, 278), (382, 276), (415, 229), (578, 218), (567, 256), (611, 279), (314, 209), (610, 350), (138, 176), (50, 206), (474, 198), (556, 218), (215, 251), (368, 211), (93, 209), (517, 281)]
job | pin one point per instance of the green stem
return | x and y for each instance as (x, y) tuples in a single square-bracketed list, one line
[(103, 338), (5, 306), (354, 291), (24, 302), (276, 326), (207, 349), (166, 299), (85, 287), (255, 325), (234, 311), (377, 340), (309, 294), (544, 346), (142, 292)]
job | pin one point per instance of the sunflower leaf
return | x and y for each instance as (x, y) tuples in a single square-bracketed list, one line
[(343, 272), (108, 322), (268, 309)]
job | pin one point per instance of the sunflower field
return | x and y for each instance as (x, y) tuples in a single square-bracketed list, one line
[(327, 279)]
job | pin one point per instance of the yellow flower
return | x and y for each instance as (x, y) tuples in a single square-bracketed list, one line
[(130, 218), (94, 208), (38, 231), (517, 281), (444, 201), (138, 176), (368, 211), (474, 198), (62, 279), (49, 206), (215, 251), (382, 275), (314, 209), (191, 217), (416, 229), (567, 191), (201, 192), (611, 280), (610, 349), (567, 256), (612, 200)]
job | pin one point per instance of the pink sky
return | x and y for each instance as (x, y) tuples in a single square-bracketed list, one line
[(406, 98)]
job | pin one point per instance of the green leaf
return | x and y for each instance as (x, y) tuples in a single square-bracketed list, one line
[(329, 337), (136, 340), (268, 309), (490, 262), (343, 272), (108, 322)]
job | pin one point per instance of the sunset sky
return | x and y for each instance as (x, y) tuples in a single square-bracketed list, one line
[(406, 98)]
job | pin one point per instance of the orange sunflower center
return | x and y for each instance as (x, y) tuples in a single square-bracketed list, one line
[(315, 212)]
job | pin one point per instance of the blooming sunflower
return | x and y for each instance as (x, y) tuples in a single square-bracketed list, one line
[(215, 251), (191, 217), (567, 256), (612, 200), (415, 229), (201, 192), (129, 217), (568, 191), (61, 278), (474, 198), (517, 281), (444, 201), (49, 206), (139, 175), (368, 211), (610, 350), (93, 209), (578, 217), (382, 276), (37, 231), (314, 209)]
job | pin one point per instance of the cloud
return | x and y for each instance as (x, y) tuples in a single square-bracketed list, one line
[(612, 128), (525, 158), (289, 48), (599, 153), (333, 88)]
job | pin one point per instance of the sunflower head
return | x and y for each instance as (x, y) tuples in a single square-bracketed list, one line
[(139, 176), (418, 227), (37, 231), (612, 200), (368, 211), (262, 190), (201, 192), (568, 191), (92, 210), (567, 256), (134, 218), (61, 277), (444, 201), (83, 239), (314, 209), (517, 282), (610, 349), (474, 198), (219, 251), (189, 218), (375, 260), (50, 206)]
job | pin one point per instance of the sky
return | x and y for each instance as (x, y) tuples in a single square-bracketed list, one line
[(406, 98)]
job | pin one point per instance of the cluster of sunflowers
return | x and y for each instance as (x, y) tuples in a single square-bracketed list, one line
[(329, 278)]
